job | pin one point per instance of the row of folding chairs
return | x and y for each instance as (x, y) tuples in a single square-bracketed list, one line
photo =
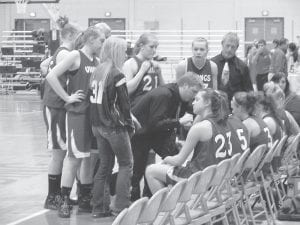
[(223, 192)]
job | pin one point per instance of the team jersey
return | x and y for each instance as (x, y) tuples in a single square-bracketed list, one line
[(204, 73), (149, 81), (239, 135), (110, 106), (80, 80), (264, 137), (50, 98), (213, 151), (278, 131)]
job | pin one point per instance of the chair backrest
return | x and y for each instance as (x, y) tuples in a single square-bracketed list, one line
[(269, 155), (152, 207), (186, 194), (204, 182), (120, 217), (279, 147), (234, 159), (134, 212), (292, 147), (240, 163), (221, 171), (170, 202), (253, 160)]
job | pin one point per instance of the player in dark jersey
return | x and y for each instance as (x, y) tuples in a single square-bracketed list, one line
[(209, 138), (112, 126), (80, 65), (142, 73), (199, 64), (240, 137), (55, 114), (266, 109), (243, 107), (273, 90)]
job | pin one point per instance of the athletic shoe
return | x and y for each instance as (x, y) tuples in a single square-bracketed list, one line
[(84, 204), (64, 210), (52, 201)]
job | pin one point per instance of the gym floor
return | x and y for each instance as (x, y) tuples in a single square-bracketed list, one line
[(23, 166)]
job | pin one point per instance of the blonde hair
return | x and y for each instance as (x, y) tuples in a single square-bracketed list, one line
[(112, 56)]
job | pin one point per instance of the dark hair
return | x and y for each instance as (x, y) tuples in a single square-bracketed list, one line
[(218, 103), (276, 42), (276, 79), (293, 48), (191, 79), (143, 40), (262, 41), (66, 28), (247, 101), (283, 41)]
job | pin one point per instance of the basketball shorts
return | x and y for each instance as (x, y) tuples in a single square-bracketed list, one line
[(79, 134), (177, 173), (55, 119)]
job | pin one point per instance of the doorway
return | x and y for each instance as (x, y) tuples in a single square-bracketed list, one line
[(263, 28)]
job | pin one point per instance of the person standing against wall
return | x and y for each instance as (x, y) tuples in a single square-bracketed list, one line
[(233, 73), (261, 62), (278, 59)]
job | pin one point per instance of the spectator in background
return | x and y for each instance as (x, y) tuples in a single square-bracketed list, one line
[(233, 73), (249, 59), (292, 100), (261, 62), (275, 45), (292, 57), (278, 59)]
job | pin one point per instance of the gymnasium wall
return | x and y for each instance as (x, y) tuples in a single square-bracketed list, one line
[(170, 14)]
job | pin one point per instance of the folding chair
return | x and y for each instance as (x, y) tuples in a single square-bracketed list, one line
[(152, 207), (274, 168), (259, 175), (236, 192), (208, 200), (182, 213), (132, 214), (290, 158), (249, 187), (169, 204)]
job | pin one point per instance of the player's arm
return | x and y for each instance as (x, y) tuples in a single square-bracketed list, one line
[(133, 78), (44, 65), (71, 62), (214, 73), (161, 80), (180, 69), (200, 132)]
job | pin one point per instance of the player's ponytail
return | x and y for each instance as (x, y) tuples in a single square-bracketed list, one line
[(218, 104)]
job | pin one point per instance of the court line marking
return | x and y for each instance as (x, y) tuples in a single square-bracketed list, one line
[(29, 217)]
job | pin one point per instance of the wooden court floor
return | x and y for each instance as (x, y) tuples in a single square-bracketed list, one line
[(23, 166)]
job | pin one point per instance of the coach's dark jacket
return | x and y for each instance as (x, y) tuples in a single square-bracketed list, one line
[(156, 110)]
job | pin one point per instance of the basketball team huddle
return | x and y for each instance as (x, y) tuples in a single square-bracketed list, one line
[(100, 106)]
